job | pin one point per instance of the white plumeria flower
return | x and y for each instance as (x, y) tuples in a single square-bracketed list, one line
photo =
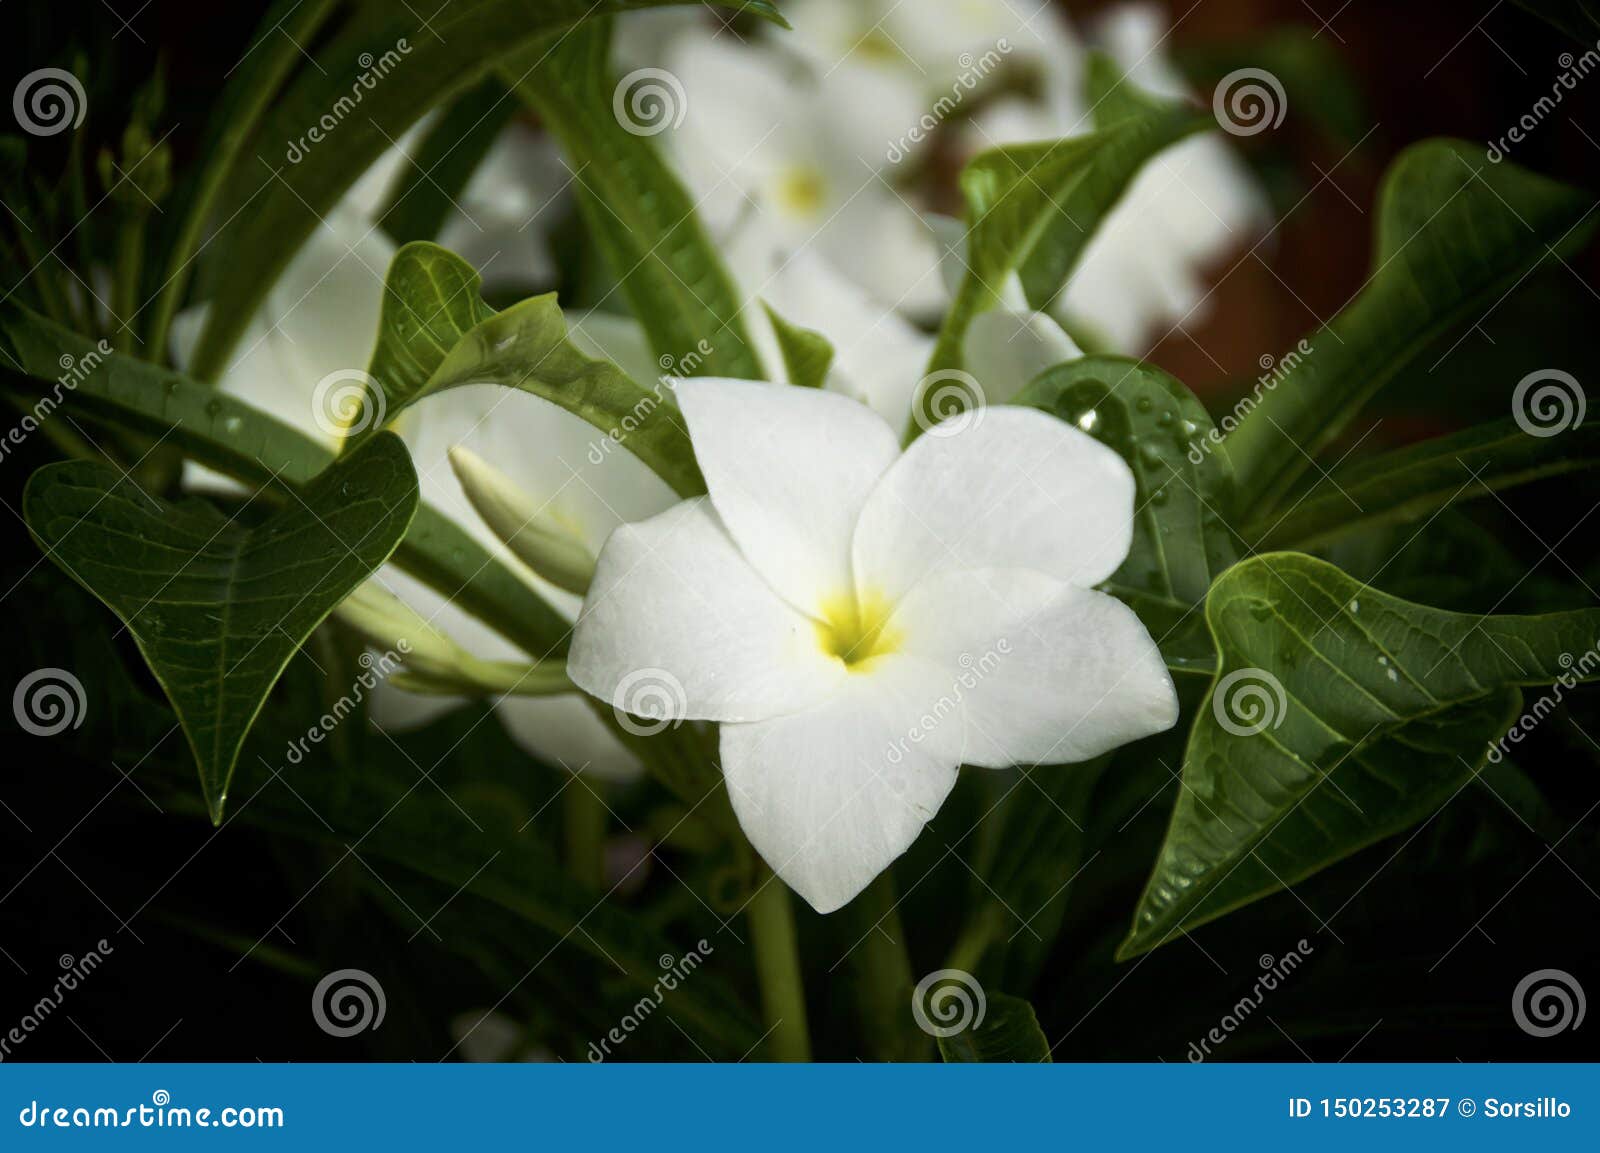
[(762, 136), (1140, 275), (932, 42), (880, 358), (862, 622)]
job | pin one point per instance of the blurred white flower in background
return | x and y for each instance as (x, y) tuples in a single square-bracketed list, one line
[(1141, 274)]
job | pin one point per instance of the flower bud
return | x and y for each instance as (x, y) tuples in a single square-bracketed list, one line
[(528, 530)]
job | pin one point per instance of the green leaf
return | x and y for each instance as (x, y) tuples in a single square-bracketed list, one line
[(217, 608), (1414, 481), (434, 177), (435, 334), (807, 354), (368, 84), (275, 50), (1455, 234), (641, 218), (1184, 497), (1009, 1032), (230, 436), (1032, 209), (1340, 716)]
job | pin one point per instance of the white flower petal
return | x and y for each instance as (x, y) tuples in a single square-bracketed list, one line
[(997, 487), (788, 470), (674, 603), (1041, 672), (1005, 350), (831, 796)]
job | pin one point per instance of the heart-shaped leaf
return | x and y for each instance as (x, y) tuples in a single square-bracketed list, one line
[(1184, 495), (1340, 715), (1456, 233), (218, 608), (225, 433)]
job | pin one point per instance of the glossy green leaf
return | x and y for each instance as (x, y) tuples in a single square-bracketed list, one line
[(369, 84), (1032, 209), (217, 608), (436, 334), (1184, 496), (1413, 482), (1340, 716), (1009, 1032), (227, 434), (639, 215), (1456, 233), (434, 177), (275, 49), (806, 353)]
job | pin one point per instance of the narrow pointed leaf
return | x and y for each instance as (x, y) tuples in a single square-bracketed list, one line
[(806, 353), (1032, 209), (217, 608), (641, 217), (1456, 233), (384, 69), (1412, 482)]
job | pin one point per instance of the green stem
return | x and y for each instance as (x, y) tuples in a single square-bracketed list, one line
[(883, 976), (130, 266), (976, 938), (585, 819), (783, 999)]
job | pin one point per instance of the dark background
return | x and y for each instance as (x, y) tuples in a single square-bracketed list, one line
[(1417, 943)]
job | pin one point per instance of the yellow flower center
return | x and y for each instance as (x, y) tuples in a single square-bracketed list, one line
[(876, 44), (856, 630), (800, 191)]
